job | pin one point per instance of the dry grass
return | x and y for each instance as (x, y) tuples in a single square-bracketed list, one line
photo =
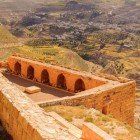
[(106, 123), (67, 112), (138, 94), (6, 36), (57, 56)]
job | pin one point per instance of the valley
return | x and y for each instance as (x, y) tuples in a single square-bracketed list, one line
[(95, 36)]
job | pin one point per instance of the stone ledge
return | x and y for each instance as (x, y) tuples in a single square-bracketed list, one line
[(92, 132), (27, 120), (71, 128)]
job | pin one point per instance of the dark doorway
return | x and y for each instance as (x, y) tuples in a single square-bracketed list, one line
[(106, 104), (61, 81), (45, 77), (105, 110), (30, 73), (79, 85), (17, 68)]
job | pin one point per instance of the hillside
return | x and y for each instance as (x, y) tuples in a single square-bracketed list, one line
[(6, 37), (58, 56), (50, 54)]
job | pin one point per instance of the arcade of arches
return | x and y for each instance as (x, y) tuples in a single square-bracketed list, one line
[(45, 79), (55, 76)]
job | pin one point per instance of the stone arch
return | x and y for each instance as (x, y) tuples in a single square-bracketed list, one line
[(61, 81), (105, 110), (30, 73), (17, 68), (45, 77), (79, 85)]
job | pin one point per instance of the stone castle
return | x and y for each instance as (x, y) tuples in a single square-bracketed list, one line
[(25, 120)]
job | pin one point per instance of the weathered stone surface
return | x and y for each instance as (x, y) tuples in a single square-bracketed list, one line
[(25, 120), (34, 70), (92, 132), (114, 96), (32, 89), (118, 99)]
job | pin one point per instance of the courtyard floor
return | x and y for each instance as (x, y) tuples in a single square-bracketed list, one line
[(47, 92)]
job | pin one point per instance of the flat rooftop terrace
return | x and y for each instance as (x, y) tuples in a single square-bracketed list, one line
[(47, 92)]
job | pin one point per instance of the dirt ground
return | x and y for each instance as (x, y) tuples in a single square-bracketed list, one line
[(47, 92)]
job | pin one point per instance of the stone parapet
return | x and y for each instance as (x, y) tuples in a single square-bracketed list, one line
[(24, 120)]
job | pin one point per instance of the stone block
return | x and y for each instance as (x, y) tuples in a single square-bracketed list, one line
[(32, 90)]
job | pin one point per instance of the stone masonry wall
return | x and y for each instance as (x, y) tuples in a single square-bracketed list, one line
[(24, 120), (110, 97), (71, 76), (117, 99)]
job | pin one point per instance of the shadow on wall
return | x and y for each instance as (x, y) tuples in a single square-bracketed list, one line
[(30, 73), (45, 79), (79, 85), (17, 68), (61, 82)]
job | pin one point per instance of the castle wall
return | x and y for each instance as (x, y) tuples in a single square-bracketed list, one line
[(24, 120), (110, 97), (117, 100), (54, 71)]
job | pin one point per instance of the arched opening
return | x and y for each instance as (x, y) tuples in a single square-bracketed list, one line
[(105, 110), (61, 81), (79, 85), (17, 68), (106, 104), (45, 77), (30, 73)]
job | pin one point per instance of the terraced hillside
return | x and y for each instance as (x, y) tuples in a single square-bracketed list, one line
[(58, 56), (51, 54)]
